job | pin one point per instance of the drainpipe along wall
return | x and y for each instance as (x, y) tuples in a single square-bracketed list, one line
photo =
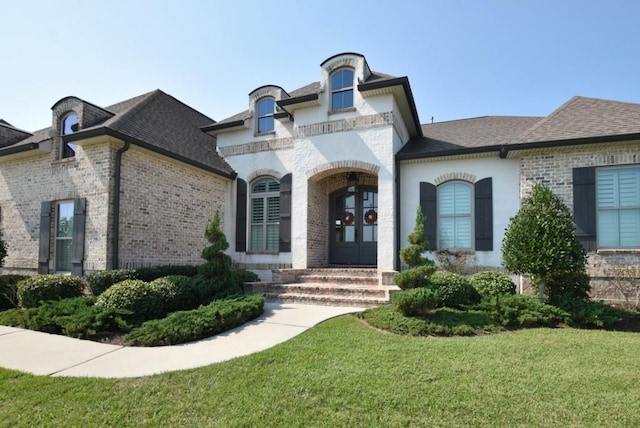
[(116, 205)]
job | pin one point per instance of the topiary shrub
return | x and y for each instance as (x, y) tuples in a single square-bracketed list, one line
[(454, 289), (243, 275), (99, 281), (492, 283), (154, 272), (146, 300), (41, 288), (8, 293), (417, 301), (414, 278), (418, 244)]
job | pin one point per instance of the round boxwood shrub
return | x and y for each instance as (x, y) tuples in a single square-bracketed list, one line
[(417, 301), (414, 278), (492, 283), (101, 280), (146, 300), (41, 288), (454, 289)]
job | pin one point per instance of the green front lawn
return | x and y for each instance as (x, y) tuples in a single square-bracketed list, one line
[(344, 373)]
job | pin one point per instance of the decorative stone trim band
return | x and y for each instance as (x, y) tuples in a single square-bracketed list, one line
[(258, 146), (263, 266), (344, 125), (327, 169), (463, 176)]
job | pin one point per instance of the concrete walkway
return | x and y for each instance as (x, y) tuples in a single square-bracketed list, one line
[(54, 355)]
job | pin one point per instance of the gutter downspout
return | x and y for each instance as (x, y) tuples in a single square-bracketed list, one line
[(116, 204), (396, 262)]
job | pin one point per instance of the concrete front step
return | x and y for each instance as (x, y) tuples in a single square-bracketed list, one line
[(326, 300), (338, 279)]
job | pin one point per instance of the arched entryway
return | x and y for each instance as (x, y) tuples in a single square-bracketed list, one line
[(353, 230)]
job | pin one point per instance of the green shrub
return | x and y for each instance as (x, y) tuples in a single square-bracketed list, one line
[(454, 289), (3, 249), (417, 301), (187, 326), (567, 289), (146, 300), (148, 274), (101, 280), (75, 317), (243, 275), (16, 317), (523, 311), (41, 288), (492, 283), (8, 292), (599, 315), (414, 278)]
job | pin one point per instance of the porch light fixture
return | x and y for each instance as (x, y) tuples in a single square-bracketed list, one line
[(352, 182)]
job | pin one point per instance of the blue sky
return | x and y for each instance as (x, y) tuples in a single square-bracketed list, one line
[(464, 58)]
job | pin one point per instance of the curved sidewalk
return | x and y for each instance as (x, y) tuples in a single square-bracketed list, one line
[(54, 355)]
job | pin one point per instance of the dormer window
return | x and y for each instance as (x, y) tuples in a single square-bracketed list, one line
[(265, 109), (68, 126), (342, 89)]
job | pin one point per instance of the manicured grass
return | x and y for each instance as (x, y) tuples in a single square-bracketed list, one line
[(344, 373)]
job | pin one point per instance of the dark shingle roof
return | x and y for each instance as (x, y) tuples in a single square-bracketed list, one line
[(467, 135), (159, 122), (582, 117)]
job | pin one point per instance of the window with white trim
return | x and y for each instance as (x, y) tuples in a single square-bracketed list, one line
[(265, 109), (265, 215), (342, 89), (64, 236), (455, 208), (68, 125), (618, 207)]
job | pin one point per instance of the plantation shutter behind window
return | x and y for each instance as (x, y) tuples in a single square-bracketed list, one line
[(241, 215), (79, 214), (45, 235), (484, 214), (584, 206), (429, 210), (285, 213)]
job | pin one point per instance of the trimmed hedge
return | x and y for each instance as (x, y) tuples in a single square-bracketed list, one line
[(146, 300), (417, 301), (454, 289), (187, 326), (154, 272), (99, 281), (41, 288), (492, 283)]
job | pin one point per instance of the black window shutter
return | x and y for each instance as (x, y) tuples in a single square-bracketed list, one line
[(45, 236), (584, 206), (79, 214), (429, 209), (484, 214), (241, 215), (285, 214)]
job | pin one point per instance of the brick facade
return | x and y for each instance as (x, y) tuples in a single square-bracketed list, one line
[(553, 167)]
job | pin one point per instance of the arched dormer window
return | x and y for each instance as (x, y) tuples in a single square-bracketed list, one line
[(342, 89), (265, 109), (68, 125), (265, 215)]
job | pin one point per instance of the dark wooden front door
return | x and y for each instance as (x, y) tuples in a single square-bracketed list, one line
[(354, 227)]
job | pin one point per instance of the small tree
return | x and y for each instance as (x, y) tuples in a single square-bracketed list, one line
[(3, 249), (540, 240), (412, 255)]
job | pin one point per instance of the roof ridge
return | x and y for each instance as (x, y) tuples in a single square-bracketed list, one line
[(548, 118), (121, 117)]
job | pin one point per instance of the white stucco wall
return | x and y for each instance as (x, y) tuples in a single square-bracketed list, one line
[(506, 194)]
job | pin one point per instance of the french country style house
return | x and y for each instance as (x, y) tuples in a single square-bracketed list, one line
[(329, 175)]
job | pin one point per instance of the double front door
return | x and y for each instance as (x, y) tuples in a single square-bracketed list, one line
[(354, 227)]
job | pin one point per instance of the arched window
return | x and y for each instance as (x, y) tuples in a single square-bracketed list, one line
[(68, 125), (265, 108), (265, 215), (342, 89), (455, 209)]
